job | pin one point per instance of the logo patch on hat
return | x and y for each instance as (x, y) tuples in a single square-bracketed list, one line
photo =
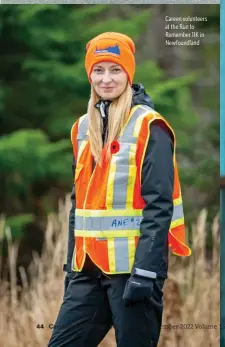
[(111, 49)]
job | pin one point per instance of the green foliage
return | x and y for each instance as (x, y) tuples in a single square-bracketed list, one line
[(133, 26), (28, 156)]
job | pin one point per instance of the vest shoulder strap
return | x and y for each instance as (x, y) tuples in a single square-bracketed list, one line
[(75, 132), (76, 127), (82, 127), (154, 115)]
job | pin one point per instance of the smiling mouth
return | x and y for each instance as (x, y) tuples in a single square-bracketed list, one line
[(108, 88)]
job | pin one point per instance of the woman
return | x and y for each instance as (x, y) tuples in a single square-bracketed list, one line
[(126, 208)]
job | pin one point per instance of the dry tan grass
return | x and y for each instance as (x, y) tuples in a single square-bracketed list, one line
[(191, 292)]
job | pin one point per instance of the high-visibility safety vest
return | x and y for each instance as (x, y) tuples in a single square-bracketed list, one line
[(108, 200)]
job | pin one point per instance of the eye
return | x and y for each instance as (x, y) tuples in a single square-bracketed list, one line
[(116, 69), (98, 70)]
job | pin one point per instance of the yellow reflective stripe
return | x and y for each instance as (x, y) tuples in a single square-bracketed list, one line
[(131, 176), (177, 223), (138, 124), (111, 213), (74, 258), (132, 154), (71, 133), (131, 249), (84, 255), (110, 184), (111, 255), (130, 185), (82, 146), (78, 169), (107, 234), (177, 201)]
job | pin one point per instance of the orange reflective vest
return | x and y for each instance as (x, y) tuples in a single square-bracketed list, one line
[(108, 200)]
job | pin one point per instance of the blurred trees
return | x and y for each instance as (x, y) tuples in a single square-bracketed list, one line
[(44, 89)]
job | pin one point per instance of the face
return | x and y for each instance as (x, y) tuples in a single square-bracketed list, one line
[(109, 80)]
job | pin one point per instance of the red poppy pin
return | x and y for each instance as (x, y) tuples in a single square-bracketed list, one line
[(115, 147)]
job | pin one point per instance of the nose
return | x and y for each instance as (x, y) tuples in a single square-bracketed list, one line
[(106, 78)]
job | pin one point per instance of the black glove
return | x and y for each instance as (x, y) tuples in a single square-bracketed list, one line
[(138, 287)]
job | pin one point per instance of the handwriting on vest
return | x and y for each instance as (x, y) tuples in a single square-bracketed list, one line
[(122, 222)]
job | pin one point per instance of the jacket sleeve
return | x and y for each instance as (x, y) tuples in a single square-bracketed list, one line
[(70, 247), (157, 191)]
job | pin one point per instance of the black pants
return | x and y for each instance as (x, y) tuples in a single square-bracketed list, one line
[(93, 304)]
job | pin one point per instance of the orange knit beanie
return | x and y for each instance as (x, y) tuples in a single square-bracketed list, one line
[(112, 47)]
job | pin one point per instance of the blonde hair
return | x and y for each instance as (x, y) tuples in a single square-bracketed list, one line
[(119, 111)]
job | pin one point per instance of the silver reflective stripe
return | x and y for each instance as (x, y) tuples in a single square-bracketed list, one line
[(123, 158), (121, 254), (82, 127), (82, 131), (127, 135), (121, 177), (108, 223), (178, 212), (79, 222), (121, 180)]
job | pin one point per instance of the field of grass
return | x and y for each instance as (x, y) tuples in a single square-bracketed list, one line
[(191, 292)]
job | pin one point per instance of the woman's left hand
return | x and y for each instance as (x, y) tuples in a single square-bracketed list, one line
[(137, 289)]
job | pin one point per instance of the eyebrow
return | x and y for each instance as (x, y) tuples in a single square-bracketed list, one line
[(117, 65)]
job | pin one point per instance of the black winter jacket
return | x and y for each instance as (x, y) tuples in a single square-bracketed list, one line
[(156, 189)]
